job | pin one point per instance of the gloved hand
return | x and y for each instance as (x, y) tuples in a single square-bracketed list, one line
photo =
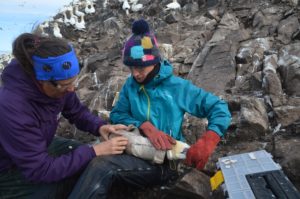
[(159, 139), (199, 152)]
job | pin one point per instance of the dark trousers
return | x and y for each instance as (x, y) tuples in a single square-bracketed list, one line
[(14, 185), (103, 173)]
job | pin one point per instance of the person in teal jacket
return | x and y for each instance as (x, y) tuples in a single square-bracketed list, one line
[(165, 100), (155, 101)]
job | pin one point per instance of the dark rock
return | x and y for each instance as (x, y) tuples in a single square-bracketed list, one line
[(193, 185), (286, 29), (289, 68), (171, 18)]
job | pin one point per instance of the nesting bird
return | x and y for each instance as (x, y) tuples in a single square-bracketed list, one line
[(173, 6), (73, 17), (135, 7), (89, 7), (126, 6), (41, 28), (56, 31), (80, 25), (68, 21), (59, 20), (77, 12)]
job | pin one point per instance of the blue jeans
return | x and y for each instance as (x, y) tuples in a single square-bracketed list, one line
[(14, 185), (104, 172)]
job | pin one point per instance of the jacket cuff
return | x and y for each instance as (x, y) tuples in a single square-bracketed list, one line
[(98, 125)]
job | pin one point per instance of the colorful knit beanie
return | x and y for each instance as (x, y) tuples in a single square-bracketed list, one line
[(141, 48)]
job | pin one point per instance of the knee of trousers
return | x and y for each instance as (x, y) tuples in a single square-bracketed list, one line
[(101, 163)]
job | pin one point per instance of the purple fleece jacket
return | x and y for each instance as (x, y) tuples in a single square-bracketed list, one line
[(28, 122)]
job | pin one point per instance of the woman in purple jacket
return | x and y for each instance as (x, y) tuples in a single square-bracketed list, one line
[(38, 86)]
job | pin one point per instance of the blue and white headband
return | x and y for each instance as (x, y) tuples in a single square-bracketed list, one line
[(61, 67)]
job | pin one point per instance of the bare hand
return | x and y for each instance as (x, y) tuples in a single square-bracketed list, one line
[(113, 146), (105, 130)]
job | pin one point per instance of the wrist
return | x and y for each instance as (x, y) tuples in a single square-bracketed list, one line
[(211, 135), (147, 128), (210, 139), (146, 125), (97, 150), (93, 151), (100, 124)]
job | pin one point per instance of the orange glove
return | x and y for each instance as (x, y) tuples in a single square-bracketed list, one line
[(199, 152), (159, 139)]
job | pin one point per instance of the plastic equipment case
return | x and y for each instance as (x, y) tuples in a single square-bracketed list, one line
[(255, 175)]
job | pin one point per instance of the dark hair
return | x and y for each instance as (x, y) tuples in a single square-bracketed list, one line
[(26, 45)]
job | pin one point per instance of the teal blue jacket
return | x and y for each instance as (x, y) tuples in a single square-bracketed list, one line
[(165, 100)]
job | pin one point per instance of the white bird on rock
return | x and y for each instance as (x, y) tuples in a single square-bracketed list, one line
[(89, 8), (173, 6), (135, 7), (70, 8), (41, 28), (80, 25), (59, 20), (72, 18), (126, 6), (77, 12), (56, 31), (69, 21), (45, 24), (66, 20)]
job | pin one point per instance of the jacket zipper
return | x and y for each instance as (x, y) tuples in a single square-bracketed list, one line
[(148, 99)]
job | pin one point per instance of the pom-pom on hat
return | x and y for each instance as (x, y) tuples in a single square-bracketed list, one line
[(141, 48)]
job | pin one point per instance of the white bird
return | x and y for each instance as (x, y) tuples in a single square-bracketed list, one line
[(135, 7), (80, 25), (56, 31), (41, 28), (77, 12), (89, 8), (126, 6), (45, 24), (66, 20), (59, 20), (173, 6), (41, 31), (69, 8), (71, 20)]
